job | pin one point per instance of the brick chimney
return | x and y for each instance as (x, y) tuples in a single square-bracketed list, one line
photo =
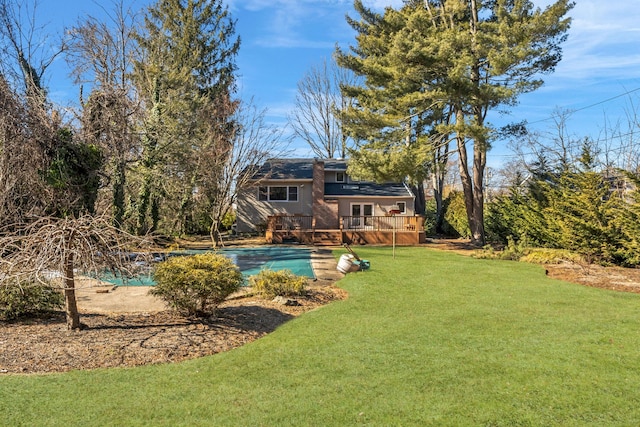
[(325, 214)]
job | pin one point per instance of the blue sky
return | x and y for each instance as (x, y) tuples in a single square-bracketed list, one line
[(282, 39)]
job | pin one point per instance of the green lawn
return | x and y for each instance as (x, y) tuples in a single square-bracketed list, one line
[(427, 338)]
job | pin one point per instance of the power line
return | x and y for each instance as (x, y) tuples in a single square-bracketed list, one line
[(591, 105)]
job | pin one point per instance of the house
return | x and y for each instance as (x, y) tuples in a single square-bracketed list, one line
[(315, 201)]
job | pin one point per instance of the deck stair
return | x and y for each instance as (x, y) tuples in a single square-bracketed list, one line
[(327, 237)]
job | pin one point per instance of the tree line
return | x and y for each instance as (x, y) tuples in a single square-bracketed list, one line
[(156, 136)]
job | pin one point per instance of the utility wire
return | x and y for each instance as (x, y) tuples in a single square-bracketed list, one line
[(591, 105)]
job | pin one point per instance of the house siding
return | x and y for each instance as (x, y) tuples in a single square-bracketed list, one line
[(381, 205), (252, 213), (320, 195), (325, 211)]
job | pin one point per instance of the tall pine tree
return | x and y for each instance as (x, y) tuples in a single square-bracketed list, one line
[(187, 78), (434, 70)]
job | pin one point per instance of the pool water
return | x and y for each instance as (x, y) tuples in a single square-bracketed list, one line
[(250, 260)]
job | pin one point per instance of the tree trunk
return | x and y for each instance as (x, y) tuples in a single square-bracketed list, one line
[(437, 195), (71, 306), (476, 223), (420, 204), (143, 204), (119, 192), (476, 215)]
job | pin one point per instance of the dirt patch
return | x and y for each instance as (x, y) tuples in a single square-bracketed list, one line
[(613, 278)]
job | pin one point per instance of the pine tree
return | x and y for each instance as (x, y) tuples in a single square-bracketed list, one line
[(441, 66), (187, 78)]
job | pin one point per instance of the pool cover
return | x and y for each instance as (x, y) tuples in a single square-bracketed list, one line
[(250, 260)]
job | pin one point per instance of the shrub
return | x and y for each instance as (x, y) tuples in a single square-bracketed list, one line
[(228, 220), (19, 299), (269, 283), (551, 256), (455, 216), (430, 218), (513, 251), (195, 285)]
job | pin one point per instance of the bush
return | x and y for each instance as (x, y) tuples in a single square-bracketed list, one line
[(430, 218), (513, 251), (228, 220), (455, 216), (195, 285), (19, 299), (270, 284), (552, 256)]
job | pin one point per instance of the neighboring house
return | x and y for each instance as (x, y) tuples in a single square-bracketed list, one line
[(312, 200)]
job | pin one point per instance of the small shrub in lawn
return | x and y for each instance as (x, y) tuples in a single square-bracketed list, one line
[(513, 251), (18, 299), (195, 285), (270, 284), (551, 256)]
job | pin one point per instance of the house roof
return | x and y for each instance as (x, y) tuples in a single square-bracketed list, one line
[(368, 189), (302, 169), (286, 169)]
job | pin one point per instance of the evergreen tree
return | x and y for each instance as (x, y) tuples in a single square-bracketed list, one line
[(187, 78), (628, 220), (443, 65)]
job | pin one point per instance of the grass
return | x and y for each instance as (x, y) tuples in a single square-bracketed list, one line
[(427, 338)]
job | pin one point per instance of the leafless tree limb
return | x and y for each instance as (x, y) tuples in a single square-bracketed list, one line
[(50, 247)]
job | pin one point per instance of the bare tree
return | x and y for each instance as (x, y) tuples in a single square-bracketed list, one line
[(27, 128), (27, 51), (254, 141), (25, 138), (553, 150), (315, 117), (36, 251), (101, 55)]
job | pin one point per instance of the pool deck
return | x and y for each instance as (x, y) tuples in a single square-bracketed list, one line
[(94, 297)]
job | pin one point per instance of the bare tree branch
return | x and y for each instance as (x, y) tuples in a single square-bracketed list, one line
[(50, 247)]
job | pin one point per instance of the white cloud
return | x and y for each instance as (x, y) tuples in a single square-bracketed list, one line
[(602, 41), (382, 4), (295, 23)]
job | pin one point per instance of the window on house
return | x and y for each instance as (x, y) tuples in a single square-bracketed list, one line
[(339, 176), (277, 193), (293, 194), (263, 193), (402, 207)]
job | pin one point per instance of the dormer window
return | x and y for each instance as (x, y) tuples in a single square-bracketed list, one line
[(339, 176)]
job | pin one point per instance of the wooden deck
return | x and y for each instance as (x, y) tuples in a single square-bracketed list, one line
[(378, 230)]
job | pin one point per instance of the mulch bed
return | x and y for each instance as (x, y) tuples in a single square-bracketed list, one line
[(45, 345)]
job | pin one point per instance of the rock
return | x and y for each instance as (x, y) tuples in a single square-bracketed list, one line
[(285, 301)]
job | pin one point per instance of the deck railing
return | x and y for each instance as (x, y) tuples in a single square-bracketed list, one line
[(382, 223), (353, 223), (290, 222)]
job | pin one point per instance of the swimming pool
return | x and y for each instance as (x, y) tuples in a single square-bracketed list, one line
[(250, 260)]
